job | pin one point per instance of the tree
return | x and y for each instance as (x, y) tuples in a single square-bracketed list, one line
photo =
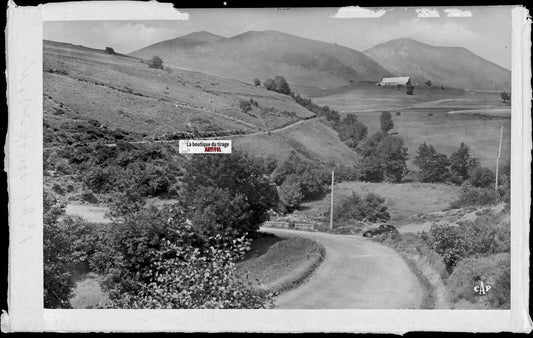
[(505, 97), (352, 131), (371, 208), (157, 260), (385, 121), (410, 89), (110, 50), (384, 158), (57, 256), (290, 194), (156, 62), (451, 243), (462, 163), (257, 82), (281, 85), (428, 83), (433, 165), (237, 174), (482, 177), (269, 84)]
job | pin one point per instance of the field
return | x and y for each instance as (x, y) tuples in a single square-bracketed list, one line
[(404, 201), (424, 117)]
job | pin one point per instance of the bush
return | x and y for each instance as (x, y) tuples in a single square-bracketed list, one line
[(494, 270), (58, 189), (57, 256), (89, 197), (238, 174), (281, 85), (269, 84), (433, 165), (410, 89), (461, 163), (351, 131), (257, 82), (482, 177), (109, 50), (371, 208), (155, 62), (290, 194), (451, 242), (245, 106), (385, 121), (470, 196), (384, 158), (159, 261)]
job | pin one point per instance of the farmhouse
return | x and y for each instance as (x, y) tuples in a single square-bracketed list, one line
[(395, 81)]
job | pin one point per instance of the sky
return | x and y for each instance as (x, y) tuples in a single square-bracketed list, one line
[(486, 31)]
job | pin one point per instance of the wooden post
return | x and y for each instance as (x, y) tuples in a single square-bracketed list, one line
[(331, 210), (498, 160)]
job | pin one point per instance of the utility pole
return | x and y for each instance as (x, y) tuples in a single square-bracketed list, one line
[(498, 160), (331, 210)]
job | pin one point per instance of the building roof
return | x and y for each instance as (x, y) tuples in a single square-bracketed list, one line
[(395, 80)]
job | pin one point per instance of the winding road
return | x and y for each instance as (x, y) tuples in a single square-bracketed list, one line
[(355, 274)]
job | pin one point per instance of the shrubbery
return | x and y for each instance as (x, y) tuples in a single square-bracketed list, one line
[(370, 208), (471, 196), (279, 84), (492, 270), (384, 158)]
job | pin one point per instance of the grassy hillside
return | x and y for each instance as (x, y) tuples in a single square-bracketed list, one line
[(266, 54), (422, 62), (404, 201), (121, 92), (312, 139)]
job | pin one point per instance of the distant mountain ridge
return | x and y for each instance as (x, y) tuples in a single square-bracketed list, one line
[(265, 54), (448, 66)]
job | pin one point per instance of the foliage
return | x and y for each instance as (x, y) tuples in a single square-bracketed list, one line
[(245, 106), (281, 85), (384, 158), (410, 89), (269, 84), (505, 97), (385, 121), (290, 194), (433, 165), (451, 243), (482, 177), (310, 176), (351, 131), (257, 82), (155, 62), (475, 196), (371, 208), (57, 256), (159, 261), (328, 113), (491, 270), (428, 83), (461, 163), (110, 50), (239, 175)]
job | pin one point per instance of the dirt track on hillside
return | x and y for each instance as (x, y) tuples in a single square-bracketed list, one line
[(356, 273)]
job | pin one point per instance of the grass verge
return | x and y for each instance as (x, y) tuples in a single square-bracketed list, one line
[(285, 264)]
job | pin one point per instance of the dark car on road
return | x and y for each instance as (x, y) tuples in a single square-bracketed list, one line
[(380, 230)]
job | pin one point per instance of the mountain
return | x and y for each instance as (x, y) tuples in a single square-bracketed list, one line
[(266, 54), (191, 40), (448, 66)]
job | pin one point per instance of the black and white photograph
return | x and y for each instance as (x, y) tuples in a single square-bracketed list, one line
[(272, 159)]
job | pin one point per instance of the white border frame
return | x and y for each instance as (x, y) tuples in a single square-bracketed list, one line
[(24, 165)]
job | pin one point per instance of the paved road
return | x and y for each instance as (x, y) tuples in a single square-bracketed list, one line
[(356, 273)]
